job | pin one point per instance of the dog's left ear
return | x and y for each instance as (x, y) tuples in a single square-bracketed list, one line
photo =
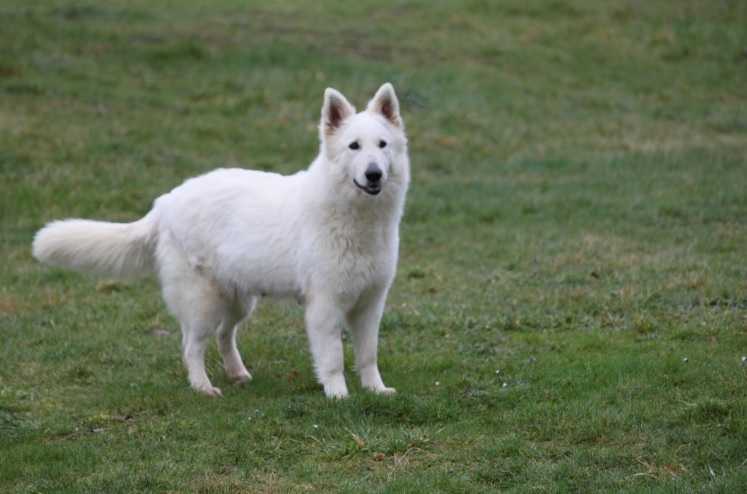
[(386, 103)]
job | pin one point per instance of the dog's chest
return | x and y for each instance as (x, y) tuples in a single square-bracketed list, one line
[(348, 258)]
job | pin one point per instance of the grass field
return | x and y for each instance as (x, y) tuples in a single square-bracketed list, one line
[(570, 313)]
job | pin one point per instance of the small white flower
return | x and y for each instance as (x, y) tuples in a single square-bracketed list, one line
[(437, 383)]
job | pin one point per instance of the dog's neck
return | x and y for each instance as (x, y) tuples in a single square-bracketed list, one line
[(350, 206)]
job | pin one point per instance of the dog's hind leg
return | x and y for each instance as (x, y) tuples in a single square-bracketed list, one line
[(200, 308), (200, 314), (226, 338)]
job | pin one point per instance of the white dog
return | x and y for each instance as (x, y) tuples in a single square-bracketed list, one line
[(327, 236)]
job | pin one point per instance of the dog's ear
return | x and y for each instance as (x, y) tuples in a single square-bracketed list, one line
[(386, 103), (334, 111)]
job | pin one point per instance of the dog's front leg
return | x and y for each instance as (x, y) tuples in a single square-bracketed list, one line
[(364, 323), (324, 323)]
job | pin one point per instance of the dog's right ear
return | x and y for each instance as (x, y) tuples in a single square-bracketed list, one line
[(334, 111)]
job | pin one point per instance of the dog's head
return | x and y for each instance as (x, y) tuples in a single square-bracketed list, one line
[(365, 150)]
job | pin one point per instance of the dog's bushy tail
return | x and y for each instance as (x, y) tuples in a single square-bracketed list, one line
[(121, 250)]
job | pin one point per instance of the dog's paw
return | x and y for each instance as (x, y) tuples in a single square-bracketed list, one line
[(335, 387), (385, 390), (211, 391), (336, 391), (241, 377), (337, 395)]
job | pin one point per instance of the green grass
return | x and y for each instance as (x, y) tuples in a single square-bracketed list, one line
[(571, 306)]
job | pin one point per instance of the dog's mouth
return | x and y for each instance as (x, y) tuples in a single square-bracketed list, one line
[(373, 189)]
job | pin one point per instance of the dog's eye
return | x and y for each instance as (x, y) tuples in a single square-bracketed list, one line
[(382, 144), (354, 145)]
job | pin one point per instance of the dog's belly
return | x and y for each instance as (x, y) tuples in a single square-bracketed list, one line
[(266, 281)]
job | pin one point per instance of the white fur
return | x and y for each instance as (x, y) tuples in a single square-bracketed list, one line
[(222, 240)]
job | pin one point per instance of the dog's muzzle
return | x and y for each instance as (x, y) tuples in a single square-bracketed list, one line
[(373, 180), (372, 189)]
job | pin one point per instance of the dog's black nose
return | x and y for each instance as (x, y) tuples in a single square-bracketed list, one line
[(373, 173)]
